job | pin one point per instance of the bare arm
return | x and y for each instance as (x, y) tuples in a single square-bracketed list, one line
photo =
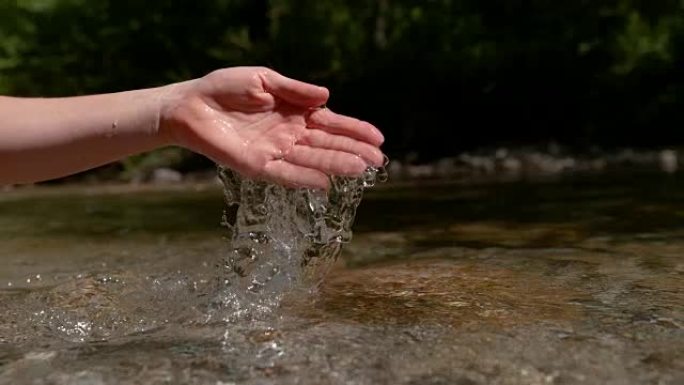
[(48, 138), (251, 119)]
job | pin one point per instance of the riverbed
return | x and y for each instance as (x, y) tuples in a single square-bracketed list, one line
[(575, 279)]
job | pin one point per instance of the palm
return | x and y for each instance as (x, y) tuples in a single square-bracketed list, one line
[(264, 136), (268, 128)]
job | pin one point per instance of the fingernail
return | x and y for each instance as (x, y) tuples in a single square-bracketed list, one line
[(373, 160), (377, 132)]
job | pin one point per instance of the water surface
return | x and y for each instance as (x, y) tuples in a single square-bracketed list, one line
[(575, 280)]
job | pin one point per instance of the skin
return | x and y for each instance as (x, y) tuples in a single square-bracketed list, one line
[(252, 119)]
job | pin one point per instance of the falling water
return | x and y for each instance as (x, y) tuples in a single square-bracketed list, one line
[(282, 240)]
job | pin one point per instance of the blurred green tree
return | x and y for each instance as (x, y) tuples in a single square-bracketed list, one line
[(473, 72)]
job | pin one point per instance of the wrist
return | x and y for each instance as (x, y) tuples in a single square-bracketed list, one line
[(173, 117)]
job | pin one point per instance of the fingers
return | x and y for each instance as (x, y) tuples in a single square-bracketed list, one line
[(294, 91), (321, 139), (310, 96), (295, 176), (329, 121), (327, 161)]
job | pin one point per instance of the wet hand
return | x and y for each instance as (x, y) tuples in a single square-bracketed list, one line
[(268, 127)]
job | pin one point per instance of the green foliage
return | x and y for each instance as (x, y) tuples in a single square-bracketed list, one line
[(79, 46), (577, 71)]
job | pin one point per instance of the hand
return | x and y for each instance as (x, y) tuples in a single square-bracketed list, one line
[(269, 127)]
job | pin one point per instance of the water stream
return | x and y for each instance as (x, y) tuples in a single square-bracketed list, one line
[(571, 280), (283, 240)]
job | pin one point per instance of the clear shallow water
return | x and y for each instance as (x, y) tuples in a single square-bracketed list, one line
[(569, 281)]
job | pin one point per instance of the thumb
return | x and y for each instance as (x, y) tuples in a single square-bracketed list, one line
[(294, 91)]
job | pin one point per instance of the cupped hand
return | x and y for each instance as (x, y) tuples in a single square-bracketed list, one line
[(268, 127)]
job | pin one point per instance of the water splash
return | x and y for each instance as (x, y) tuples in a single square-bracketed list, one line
[(283, 240)]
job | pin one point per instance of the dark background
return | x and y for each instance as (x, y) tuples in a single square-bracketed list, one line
[(437, 76)]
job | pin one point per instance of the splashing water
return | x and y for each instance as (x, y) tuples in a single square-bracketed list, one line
[(283, 240)]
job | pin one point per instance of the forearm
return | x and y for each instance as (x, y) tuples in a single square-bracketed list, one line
[(252, 119), (48, 138)]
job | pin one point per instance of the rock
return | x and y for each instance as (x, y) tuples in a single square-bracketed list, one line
[(598, 164), (419, 171), (166, 175), (511, 165), (478, 163), (445, 167), (668, 160), (501, 153), (395, 169)]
